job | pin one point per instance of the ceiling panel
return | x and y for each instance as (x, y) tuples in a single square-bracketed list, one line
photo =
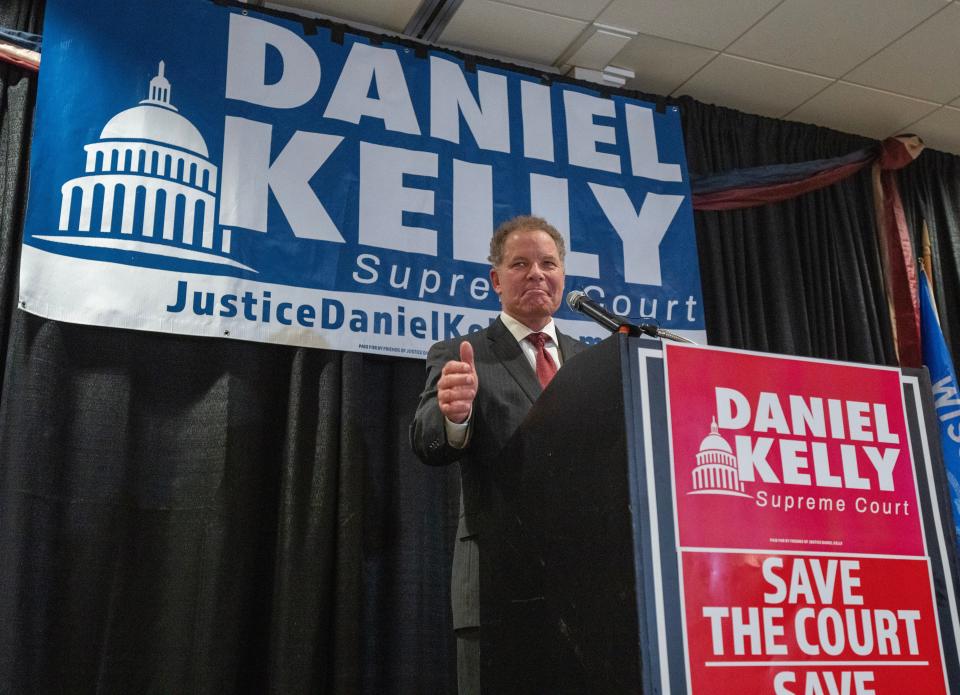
[(706, 23), (390, 14), (829, 37), (923, 64), (578, 9), (660, 65), (855, 109), (940, 130), (752, 86), (506, 30), (595, 53)]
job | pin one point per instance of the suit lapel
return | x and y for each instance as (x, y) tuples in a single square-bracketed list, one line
[(568, 346), (508, 351)]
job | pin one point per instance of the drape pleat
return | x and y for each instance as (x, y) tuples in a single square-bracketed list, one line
[(185, 515)]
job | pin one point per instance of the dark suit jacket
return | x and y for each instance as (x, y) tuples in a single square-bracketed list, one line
[(508, 387)]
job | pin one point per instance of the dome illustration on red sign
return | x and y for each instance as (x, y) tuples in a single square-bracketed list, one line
[(716, 472)]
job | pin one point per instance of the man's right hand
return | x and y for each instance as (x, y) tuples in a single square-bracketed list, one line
[(457, 386)]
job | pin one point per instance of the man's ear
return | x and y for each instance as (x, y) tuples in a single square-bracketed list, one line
[(495, 280)]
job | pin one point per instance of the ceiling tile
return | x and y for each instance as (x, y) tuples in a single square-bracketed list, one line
[(392, 15), (706, 23), (922, 64), (855, 109), (829, 37), (577, 9), (597, 50), (660, 65), (940, 130), (495, 28), (753, 87)]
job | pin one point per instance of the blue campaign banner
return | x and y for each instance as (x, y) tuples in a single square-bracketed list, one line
[(202, 168), (946, 398)]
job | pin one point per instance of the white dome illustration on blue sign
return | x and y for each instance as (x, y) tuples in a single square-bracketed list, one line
[(716, 472), (148, 187)]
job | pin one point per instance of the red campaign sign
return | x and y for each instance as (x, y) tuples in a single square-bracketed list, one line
[(803, 624), (790, 454)]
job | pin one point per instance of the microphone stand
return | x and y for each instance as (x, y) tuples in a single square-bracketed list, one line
[(653, 331)]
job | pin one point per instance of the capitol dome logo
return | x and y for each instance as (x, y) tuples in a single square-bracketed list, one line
[(717, 472), (148, 187)]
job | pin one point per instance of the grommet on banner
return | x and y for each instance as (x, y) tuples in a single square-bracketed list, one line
[(309, 27), (420, 51), (470, 66), (336, 35)]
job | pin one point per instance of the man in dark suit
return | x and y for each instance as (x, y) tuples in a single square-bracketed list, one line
[(480, 387)]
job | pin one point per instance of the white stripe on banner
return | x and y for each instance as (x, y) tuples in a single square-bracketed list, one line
[(108, 294)]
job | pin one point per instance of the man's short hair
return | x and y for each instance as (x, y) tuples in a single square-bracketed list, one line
[(523, 223)]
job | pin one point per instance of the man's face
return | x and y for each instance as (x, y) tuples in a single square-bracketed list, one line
[(529, 280)]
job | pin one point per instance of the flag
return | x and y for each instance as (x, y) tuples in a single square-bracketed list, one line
[(945, 395)]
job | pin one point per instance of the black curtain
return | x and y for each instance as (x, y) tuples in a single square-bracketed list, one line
[(184, 515), (931, 192), (19, 91), (205, 516), (800, 277)]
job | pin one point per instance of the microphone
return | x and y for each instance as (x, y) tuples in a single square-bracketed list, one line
[(579, 301)]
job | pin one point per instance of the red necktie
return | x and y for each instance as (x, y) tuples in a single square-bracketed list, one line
[(546, 367)]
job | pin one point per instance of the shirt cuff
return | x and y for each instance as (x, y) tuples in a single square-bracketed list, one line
[(458, 434)]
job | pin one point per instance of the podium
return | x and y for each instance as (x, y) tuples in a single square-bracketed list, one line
[(561, 591), (589, 586)]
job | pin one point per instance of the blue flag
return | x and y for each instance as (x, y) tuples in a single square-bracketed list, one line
[(946, 399)]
